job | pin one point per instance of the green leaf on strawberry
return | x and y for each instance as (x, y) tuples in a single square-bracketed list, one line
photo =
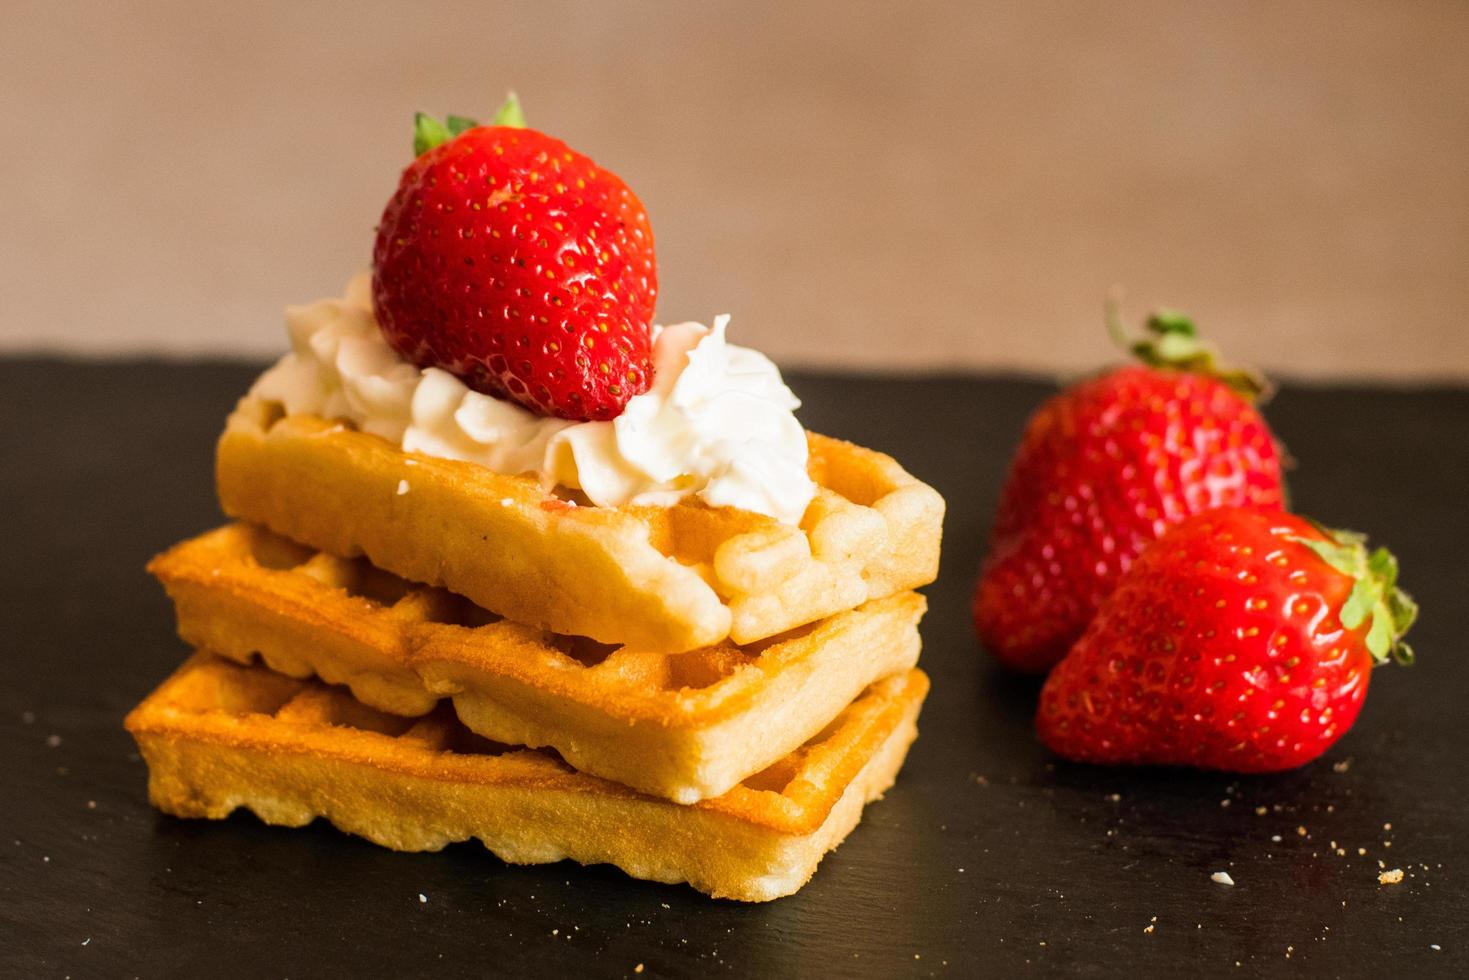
[(1375, 593), (458, 124), (510, 114), (1173, 343), (429, 132)]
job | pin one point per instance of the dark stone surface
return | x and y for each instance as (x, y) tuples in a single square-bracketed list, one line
[(987, 857)]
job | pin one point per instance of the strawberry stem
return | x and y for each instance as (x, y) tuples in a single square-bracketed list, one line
[(1172, 342), (1375, 594)]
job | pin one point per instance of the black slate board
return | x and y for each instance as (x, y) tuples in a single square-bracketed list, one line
[(987, 857)]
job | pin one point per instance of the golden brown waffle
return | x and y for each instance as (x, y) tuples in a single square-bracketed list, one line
[(218, 736), (664, 578), (683, 726)]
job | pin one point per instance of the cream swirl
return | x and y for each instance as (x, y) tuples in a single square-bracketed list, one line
[(718, 422)]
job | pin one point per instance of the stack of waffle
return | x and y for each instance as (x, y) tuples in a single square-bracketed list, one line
[(423, 651)]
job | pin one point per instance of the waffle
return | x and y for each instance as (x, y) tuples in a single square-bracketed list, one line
[(661, 578), (218, 736), (682, 726)]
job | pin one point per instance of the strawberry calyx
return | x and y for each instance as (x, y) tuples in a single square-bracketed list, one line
[(1172, 342), (1375, 594), (429, 131)]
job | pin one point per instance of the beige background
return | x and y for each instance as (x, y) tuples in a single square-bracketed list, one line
[(896, 186)]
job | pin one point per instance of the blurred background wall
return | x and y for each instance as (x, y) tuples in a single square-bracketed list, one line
[(892, 186)]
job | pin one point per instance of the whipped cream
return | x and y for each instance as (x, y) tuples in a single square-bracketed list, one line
[(718, 422)]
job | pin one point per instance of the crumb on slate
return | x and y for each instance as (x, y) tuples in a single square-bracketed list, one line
[(1393, 877), (1221, 877)]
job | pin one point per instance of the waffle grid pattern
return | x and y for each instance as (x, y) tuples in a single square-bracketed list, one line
[(685, 725), (218, 736), (666, 578)]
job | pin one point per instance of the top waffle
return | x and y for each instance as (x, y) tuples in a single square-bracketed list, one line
[(665, 578)]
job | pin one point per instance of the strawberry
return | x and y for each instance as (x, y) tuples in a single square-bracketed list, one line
[(520, 266), (1242, 640), (1103, 469)]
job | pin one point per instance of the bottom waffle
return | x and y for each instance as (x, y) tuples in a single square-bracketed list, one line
[(218, 736)]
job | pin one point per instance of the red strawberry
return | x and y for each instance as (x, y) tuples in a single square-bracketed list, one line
[(1243, 640), (1104, 468), (519, 265)]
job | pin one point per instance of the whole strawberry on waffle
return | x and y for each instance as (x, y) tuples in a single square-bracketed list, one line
[(512, 562), (517, 264), (1103, 469)]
